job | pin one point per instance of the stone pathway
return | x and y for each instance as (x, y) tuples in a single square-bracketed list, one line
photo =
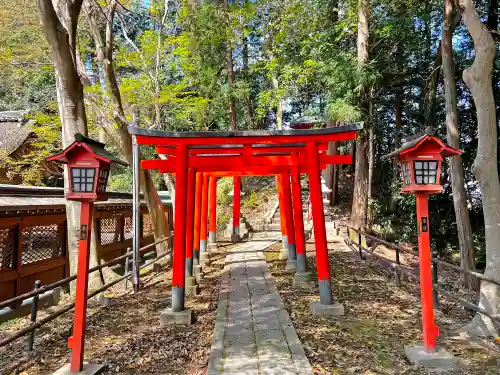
[(253, 332)]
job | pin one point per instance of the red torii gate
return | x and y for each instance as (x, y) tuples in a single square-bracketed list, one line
[(193, 156)]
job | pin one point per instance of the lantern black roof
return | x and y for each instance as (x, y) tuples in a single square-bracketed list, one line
[(97, 148)]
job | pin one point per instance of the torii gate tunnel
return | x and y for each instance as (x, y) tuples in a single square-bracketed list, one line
[(198, 158)]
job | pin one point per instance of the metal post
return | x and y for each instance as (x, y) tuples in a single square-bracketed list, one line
[(235, 236), (287, 200), (212, 230), (135, 213), (325, 289), (77, 342), (34, 311), (430, 330), (178, 266)]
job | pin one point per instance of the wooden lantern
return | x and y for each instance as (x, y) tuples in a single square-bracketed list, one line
[(88, 169), (421, 160)]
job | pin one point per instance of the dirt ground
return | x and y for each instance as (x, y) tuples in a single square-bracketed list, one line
[(381, 319), (126, 335)]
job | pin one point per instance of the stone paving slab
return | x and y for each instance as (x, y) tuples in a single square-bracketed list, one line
[(253, 332)]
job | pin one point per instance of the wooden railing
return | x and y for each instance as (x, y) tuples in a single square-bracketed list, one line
[(363, 244)]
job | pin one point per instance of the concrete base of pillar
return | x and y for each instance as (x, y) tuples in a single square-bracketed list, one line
[(88, 369), (204, 259), (198, 273), (291, 265), (441, 359), (193, 291), (191, 288), (235, 238), (212, 246), (184, 317), (283, 254), (302, 280), (190, 281), (335, 309)]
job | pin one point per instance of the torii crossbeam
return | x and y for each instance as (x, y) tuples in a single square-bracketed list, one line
[(194, 156)]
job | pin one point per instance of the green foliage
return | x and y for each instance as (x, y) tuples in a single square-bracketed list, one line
[(224, 187), (26, 71), (46, 142), (301, 53), (252, 201)]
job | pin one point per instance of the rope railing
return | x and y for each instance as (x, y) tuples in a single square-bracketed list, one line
[(360, 249), (37, 324)]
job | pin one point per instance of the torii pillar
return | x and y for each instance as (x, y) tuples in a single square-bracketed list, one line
[(302, 279), (191, 287), (212, 230), (291, 264), (284, 237), (204, 256), (197, 271), (235, 235), (326, 304)]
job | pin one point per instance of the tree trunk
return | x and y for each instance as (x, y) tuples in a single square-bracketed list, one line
[(467, 256), (104, 50), (330, 171), (246, 71), (60, 30), (230, 69), (393, 204), (279, 109), (478, 78), (360, 196), (430, 102), (370, 150)]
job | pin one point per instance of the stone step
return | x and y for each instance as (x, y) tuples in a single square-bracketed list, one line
[(264, 235), (242, 220), (267, 227)]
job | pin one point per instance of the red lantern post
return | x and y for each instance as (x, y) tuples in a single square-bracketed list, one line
[(88, 171), (421, 158)]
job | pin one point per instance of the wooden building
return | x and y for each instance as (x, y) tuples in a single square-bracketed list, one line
[(33, 234)]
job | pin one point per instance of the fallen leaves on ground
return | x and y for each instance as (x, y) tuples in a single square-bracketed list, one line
[(381, 319), (126, 335)]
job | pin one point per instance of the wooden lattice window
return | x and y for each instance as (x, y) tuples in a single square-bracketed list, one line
[(7, 247), (147, 225), (128, 230), (41, 242), (110, 230)]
